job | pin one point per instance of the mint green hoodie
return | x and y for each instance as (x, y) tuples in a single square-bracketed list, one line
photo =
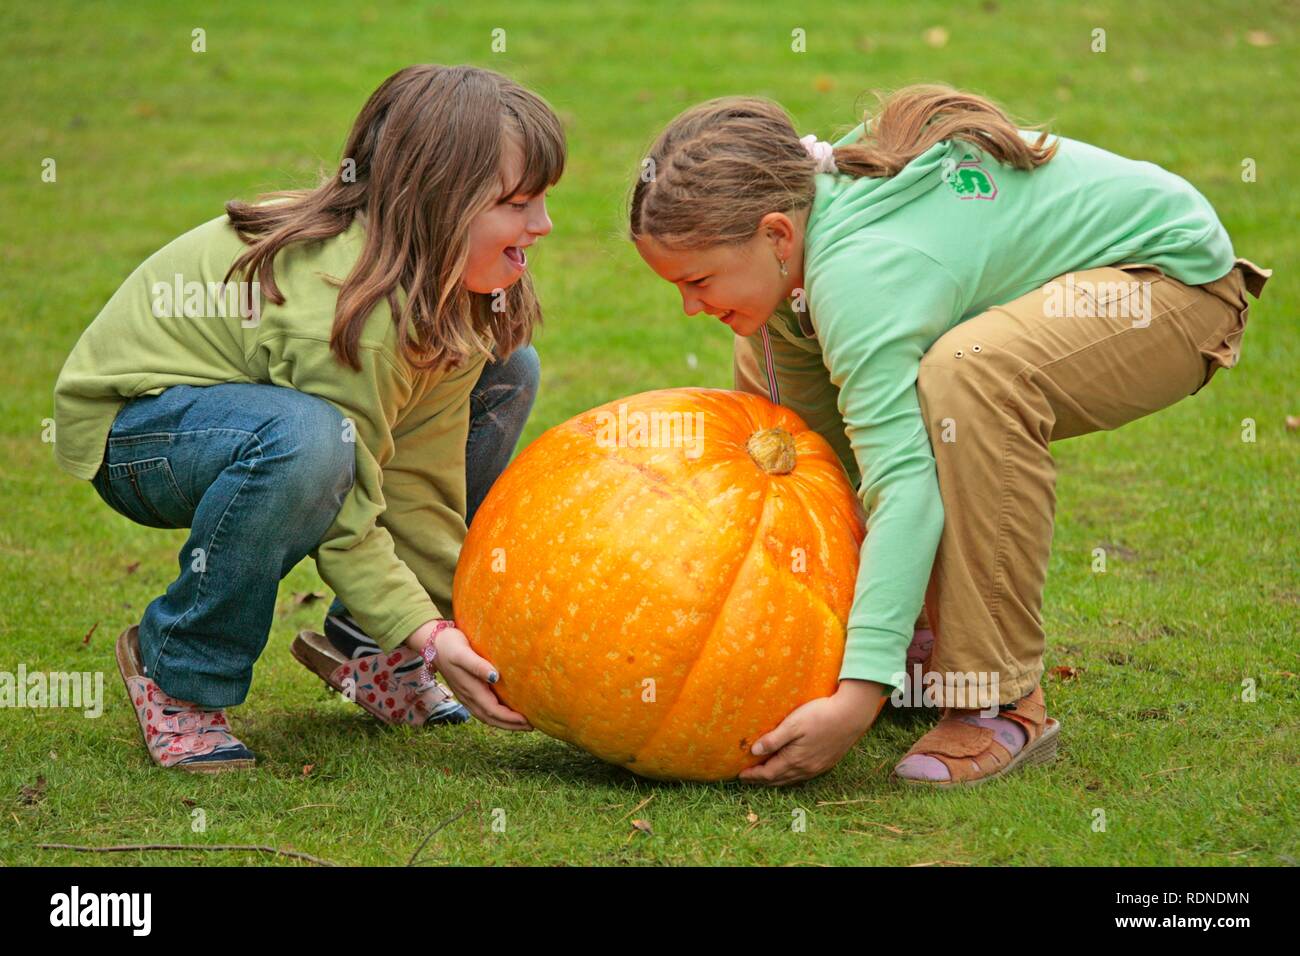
[(891, 264)]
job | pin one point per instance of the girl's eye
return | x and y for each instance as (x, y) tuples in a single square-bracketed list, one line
[(521, 206)]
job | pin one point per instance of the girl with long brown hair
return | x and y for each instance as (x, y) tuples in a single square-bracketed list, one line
[(941, 294), (340, 371)]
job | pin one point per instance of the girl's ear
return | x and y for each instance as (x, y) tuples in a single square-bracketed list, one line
[(777, 227)]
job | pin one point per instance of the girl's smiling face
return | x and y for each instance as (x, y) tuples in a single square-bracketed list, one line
[(740, 283), (499, 234)]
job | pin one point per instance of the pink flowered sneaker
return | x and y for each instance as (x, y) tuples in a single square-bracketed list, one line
[(919, 651), (387, 684), (177, 733)]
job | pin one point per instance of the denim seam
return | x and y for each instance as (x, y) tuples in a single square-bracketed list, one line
[(137, 467), (212, 544), (171, 436), (176, 486), (141, 439), (139, 493), (115, 500), (131, 470)]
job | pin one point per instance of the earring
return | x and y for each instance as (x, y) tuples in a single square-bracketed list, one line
[(783, 269)]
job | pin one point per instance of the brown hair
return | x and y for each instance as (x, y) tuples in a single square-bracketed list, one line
[(423, 159), (722, 165)]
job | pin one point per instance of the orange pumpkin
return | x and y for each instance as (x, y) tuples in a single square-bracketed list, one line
[(662, 579)]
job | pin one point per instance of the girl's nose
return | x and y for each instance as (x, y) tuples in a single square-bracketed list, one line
[(541, 224), (690, 304)]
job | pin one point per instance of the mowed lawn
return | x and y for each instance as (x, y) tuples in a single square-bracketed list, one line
[(1174, 673)]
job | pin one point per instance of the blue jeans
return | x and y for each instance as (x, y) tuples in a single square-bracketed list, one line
[(257, 473)]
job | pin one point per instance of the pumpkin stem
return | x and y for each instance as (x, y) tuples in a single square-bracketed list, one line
[(772, 450)]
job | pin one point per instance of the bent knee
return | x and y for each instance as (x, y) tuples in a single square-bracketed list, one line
[(960, 359), (959, 380), (509, 383), (523, 370), (312, 448)]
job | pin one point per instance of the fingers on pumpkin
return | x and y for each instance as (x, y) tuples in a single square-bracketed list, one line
[(780, 771), (483, 670), (772, 772), (488, 709), (487, 697), (770, 743)]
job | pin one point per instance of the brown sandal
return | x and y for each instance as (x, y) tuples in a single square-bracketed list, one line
[(973, 754)]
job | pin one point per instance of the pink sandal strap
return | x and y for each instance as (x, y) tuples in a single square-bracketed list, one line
[(188, 732)]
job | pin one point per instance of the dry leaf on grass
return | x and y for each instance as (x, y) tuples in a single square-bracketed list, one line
[(936, 37), (30, 796)]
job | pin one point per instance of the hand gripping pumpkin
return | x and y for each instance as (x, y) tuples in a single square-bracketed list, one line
[(662, 579)]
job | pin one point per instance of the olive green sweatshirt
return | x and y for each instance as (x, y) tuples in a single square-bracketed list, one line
[(890, 264), (392, 550)]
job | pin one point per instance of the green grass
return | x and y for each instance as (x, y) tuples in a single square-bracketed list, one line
[(1201, 590)]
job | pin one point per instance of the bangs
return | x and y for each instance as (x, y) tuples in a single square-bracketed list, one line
[(541, 140)]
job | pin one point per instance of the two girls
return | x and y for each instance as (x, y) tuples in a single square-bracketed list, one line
[(939, 293)]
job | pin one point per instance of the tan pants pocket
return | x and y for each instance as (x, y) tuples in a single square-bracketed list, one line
[(1226, 352)]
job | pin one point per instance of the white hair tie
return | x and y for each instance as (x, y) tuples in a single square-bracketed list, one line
[(821, 151)]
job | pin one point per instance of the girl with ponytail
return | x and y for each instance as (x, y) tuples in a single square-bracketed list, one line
[(941, 294)]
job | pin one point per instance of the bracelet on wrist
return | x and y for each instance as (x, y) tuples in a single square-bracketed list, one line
[(430, 653)]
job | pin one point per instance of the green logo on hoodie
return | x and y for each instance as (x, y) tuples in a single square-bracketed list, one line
[(969, 180)]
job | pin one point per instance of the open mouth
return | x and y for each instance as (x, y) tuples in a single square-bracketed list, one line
[(517, 257), (727, 316)]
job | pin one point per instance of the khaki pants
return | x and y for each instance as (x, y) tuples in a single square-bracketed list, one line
[(1089, 351)]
